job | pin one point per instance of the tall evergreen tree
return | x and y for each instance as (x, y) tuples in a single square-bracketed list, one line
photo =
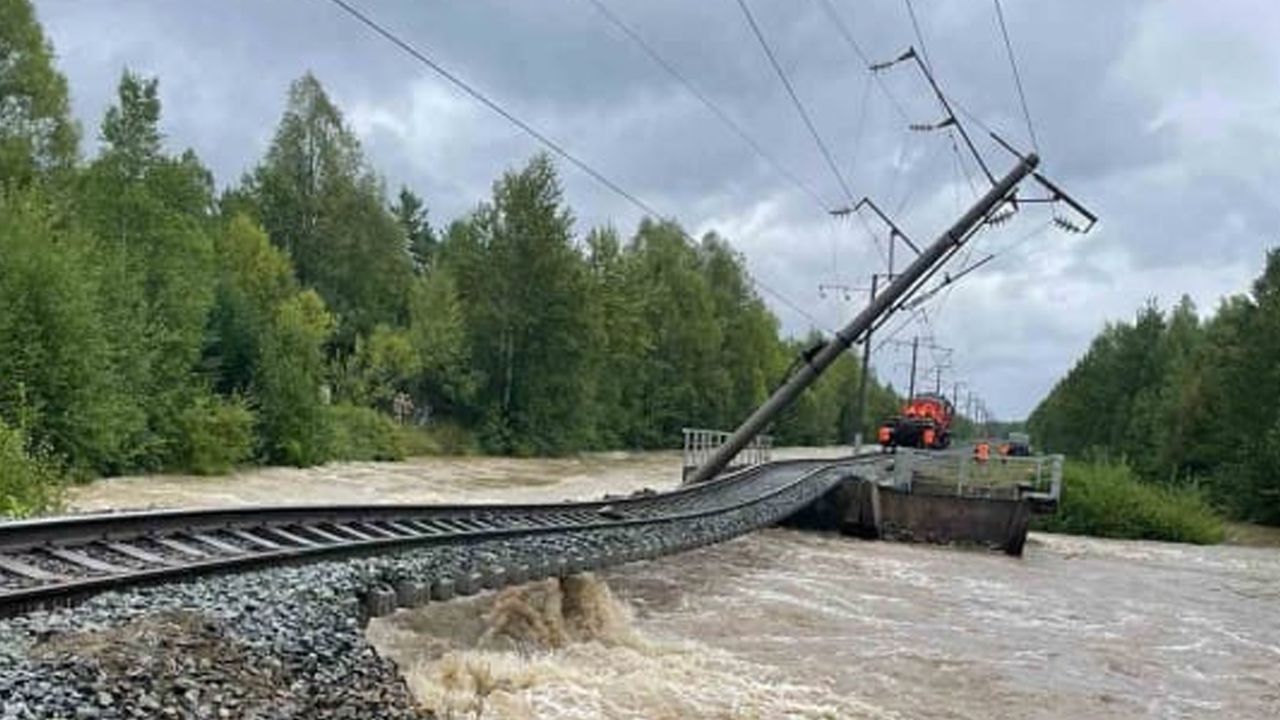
[(420, 238)]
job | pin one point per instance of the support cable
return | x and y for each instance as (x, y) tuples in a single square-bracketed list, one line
[(844, 31), (1017, 77), (861, 125), (795, 99), (915, 27), (546, 141), (702, 97)]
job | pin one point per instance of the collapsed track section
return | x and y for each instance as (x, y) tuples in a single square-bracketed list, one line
[(61, 560)]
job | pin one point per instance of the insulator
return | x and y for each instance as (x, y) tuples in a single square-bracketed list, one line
[(1001, 218), (1065, 224), (920, 127)]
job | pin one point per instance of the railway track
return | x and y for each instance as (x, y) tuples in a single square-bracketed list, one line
[(60, 561)]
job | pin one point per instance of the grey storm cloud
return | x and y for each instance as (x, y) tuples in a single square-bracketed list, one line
[(1160, 115)]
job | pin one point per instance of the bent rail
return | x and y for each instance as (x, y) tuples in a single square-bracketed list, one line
[(62, 560)]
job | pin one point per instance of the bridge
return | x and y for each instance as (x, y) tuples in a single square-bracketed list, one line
[(57, 561), (60, 560)]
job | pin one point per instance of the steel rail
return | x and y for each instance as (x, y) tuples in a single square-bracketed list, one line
[(20, 535), (60, 561)]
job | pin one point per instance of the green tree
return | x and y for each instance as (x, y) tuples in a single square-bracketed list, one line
[(319, 202), (621, 340), (294, 424), (152, 215), (37, 134), (30, 482), (420, 239), (254, 278), (525, 289), (682, 373), (1181, 400), (438, 336), (56, 377), (383, 364), (749, 352)]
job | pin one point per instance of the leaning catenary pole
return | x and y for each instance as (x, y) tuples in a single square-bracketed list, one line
[(809, 372)]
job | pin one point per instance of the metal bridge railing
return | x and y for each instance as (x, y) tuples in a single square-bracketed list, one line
[(959, 472), (700, 444)]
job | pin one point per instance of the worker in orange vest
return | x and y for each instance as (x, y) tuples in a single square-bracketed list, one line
[(982, 451)]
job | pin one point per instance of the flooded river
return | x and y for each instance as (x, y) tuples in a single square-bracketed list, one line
[(784, 623)]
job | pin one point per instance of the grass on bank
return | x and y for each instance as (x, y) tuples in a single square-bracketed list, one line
[(1108, 500)]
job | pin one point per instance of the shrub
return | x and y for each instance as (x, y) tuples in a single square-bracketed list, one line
[(293, 419), (1107, 500), (30, 482), (217, 434), (360, 433)]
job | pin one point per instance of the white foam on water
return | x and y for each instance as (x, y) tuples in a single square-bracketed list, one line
[(572, 650)]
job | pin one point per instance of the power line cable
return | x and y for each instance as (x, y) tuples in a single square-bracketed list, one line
[(795, 99), (860, 127), (644, 45), (915, 26), (483, 99), (844, 31), (1017, 77), (715, 109), (542, 138)]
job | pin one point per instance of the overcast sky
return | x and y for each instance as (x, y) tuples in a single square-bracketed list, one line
[(1161, 116)]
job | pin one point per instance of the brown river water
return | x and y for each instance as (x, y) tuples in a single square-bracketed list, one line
[(784, 623)]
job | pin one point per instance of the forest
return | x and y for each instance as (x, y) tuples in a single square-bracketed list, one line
[(153, 320), (1185, 402)]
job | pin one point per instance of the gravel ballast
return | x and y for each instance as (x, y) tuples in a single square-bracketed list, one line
[(288, 642)]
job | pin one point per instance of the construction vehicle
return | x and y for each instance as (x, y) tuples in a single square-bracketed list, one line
[(925, 422)]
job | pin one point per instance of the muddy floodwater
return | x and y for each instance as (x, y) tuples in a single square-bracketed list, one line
[(784, 623), (427, 480)]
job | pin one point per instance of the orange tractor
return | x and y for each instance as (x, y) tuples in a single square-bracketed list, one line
[(925, 422)]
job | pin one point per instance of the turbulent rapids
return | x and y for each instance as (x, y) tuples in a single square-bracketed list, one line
[(790, 624), (574, 650), (778, 623)]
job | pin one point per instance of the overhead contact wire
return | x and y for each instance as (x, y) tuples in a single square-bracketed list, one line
[(1017, 77), (795, 100), (702, 97)]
